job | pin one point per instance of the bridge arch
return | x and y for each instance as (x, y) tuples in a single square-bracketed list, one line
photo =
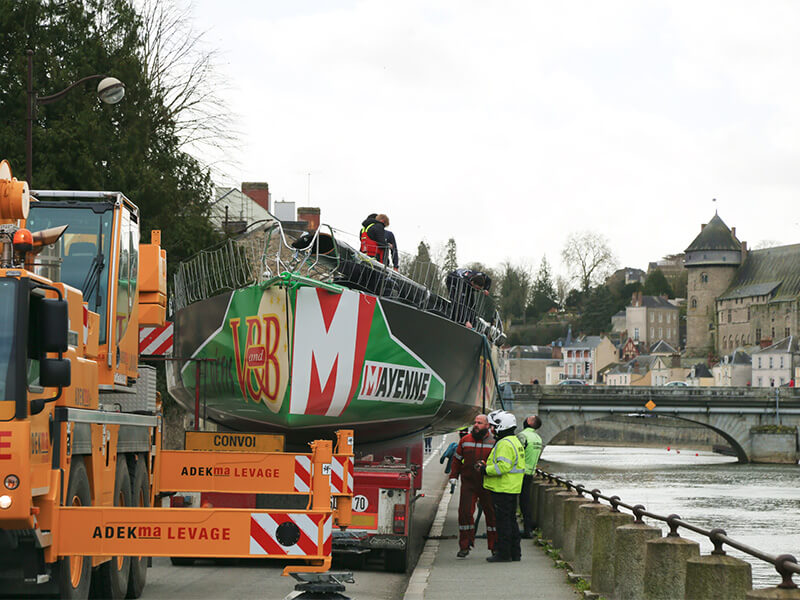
[(735, 431), (731, 412)]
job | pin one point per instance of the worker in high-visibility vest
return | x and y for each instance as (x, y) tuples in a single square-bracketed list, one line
[(533, 449), (373, 236), (502, 475)]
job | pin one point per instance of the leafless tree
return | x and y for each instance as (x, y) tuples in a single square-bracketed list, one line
[(184, 71), (763, 244), (562, 290), (588, 257)]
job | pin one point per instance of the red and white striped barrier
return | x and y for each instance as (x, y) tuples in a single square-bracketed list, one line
[(302, 473), (266, 540), (156, 341), (341, 475)]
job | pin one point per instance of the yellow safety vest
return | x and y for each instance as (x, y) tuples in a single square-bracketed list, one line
[(533, 448), (505, 466)]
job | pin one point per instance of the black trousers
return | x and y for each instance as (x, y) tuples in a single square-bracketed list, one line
[(505, 513), (526, 504)]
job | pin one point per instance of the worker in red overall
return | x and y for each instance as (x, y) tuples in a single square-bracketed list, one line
[(473, 448)]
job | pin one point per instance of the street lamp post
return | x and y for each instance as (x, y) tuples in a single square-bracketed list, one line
[(110, 90)]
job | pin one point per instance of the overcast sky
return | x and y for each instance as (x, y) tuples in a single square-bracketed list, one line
[(508, 125)]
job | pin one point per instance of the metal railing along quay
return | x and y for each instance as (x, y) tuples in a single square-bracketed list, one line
[(785, 564)]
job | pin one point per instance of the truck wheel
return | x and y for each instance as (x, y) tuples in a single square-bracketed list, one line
[(396, 561), (73, 573), (111, 578), (141, 497)]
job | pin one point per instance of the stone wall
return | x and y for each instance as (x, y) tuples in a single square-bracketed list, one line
[(698, 318)]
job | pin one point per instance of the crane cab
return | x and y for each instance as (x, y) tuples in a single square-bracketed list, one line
[(99, 254)]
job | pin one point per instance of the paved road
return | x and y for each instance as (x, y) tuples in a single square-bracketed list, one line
[(261, 579)]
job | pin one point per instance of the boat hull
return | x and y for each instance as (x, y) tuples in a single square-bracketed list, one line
[(304, 360)]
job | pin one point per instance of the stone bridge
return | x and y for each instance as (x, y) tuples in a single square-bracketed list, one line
[(739, 415)]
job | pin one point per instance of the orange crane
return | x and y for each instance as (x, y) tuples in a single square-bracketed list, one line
[(81, 463)]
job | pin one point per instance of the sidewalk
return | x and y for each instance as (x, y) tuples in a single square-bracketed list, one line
[(439, 575)]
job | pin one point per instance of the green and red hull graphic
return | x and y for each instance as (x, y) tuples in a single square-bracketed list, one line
[(304, 360)]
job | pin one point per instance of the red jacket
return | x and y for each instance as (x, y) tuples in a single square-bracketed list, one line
[(468, 452)]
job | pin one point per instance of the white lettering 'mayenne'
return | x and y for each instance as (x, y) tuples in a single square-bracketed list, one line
[(394, 383)]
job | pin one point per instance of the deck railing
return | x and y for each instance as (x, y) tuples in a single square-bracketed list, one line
[(257, 256)]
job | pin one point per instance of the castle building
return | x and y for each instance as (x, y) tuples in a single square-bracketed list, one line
[(738, 297)]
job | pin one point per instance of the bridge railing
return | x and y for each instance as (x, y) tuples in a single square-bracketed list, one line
[(667, 391), (785, 564)]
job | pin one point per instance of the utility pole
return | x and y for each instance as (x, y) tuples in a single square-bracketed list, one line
[(777, 406)]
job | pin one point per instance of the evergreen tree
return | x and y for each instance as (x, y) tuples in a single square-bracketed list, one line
[(656, 284), (450, 258), (598, 308), (543, 292), (574, 300), (82, 144)]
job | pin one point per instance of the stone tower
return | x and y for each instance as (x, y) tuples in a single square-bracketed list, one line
[(712, 260)]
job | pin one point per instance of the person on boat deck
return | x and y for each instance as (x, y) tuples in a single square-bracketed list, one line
[(471, 450), (392, 250), (373, 236), (464, 287)]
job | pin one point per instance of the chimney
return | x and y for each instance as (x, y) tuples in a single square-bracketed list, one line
[(258, 192), (765, 342), (702, 226), (675, 361), (733, 232), (744, 250), (309, 214)]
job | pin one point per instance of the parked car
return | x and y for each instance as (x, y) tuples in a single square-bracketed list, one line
[(676, 384), (571, 382)]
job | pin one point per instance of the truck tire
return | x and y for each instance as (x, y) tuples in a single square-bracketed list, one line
[(140, 490), (111, 578), (74, 573)]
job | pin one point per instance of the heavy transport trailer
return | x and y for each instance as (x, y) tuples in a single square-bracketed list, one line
[(379, 489), (386, 486), (80, 457)]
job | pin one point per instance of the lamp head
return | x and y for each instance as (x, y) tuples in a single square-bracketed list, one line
[(110, 90)]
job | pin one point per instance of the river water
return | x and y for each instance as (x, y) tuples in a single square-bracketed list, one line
[(758, 505)]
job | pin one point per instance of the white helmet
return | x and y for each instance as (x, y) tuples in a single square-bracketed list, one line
[(492, 417), (502, 420)]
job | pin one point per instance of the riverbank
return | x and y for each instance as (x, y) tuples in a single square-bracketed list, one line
[(755, 504)]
